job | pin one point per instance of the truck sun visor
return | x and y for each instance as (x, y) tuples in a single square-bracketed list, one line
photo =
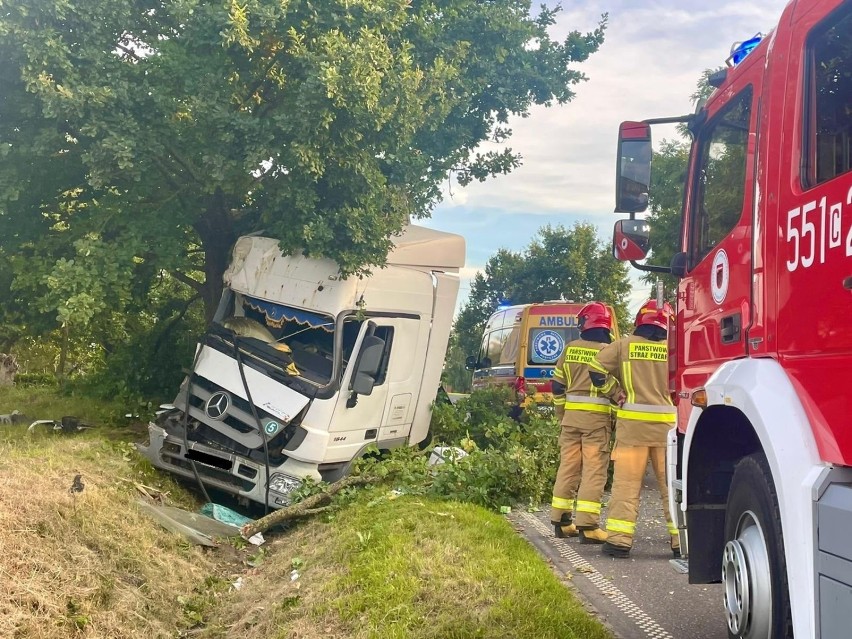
[(277, 314)]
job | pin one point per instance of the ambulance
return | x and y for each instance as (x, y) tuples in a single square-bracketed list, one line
[(520, 345)]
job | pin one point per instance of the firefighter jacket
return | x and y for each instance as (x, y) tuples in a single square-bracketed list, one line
[(584, 403), (641, 367)]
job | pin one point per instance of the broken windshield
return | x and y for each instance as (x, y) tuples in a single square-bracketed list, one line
[(298, 341)]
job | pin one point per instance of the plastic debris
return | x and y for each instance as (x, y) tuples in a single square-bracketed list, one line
[(505, 510), (443, 454), (224, 514)]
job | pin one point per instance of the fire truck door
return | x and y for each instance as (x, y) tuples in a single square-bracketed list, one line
[(714, 298)]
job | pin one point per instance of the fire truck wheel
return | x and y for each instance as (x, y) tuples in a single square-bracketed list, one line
[(754, 572)]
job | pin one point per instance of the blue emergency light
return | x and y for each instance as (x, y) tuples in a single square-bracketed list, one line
[(741, 49)]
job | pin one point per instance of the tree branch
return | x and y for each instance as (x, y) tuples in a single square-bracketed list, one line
[(195, 285), (308, 506)]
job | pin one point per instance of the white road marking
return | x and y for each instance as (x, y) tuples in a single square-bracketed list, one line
[(650, 627)]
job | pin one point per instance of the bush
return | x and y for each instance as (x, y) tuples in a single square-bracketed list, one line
[(35, 379), (507, 463)]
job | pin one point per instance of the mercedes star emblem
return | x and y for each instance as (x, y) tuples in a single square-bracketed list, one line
[(217, 406)]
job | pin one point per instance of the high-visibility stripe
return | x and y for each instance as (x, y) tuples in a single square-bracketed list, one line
[(561, 503), (672, 528), (590, 400), (559, 375), (593, 507), (627, 381), (646, 417), (621, 526), (651, 408), (596, 366), (607, 387), (558, 400), (587, 407)]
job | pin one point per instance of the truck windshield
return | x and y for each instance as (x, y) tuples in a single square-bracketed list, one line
[(297, 342)]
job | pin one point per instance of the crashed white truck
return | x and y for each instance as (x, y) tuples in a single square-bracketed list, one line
[(302, 370)]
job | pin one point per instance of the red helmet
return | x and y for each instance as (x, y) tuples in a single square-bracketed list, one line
[(594, 315), (650, 314)]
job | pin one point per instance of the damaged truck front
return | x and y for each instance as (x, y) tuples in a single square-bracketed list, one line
[(302, 370)]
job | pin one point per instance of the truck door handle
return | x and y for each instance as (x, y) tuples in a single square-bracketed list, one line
[(731, 328)]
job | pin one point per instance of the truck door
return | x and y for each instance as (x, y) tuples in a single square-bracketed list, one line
[(714, 297), (390, 404)]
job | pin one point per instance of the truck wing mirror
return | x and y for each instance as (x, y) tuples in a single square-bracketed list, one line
[(679, 264), (367, 367), (633, 177), (631, 240), (470, 363)]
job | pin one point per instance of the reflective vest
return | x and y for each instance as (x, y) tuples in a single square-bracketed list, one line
[(641, 367), (572, 371)]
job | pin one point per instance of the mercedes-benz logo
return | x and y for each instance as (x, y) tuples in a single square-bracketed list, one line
[(217, 406)]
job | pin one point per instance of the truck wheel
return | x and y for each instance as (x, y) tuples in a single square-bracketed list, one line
[(754, 572)]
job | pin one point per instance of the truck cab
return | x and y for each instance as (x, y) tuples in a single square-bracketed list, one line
[(302, 369), (759, 465)]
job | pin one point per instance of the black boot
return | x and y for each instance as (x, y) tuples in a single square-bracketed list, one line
[(620, 552)]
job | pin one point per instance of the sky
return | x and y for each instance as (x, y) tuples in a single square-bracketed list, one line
[(652, 57)]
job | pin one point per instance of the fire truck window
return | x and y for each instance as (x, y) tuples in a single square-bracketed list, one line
[(721, 177), (829, 141)]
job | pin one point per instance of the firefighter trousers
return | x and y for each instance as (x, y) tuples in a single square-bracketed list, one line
[(582, 474), (629, 464)]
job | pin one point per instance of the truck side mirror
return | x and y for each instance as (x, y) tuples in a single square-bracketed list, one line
[(367, 367), (633, 177), (470, 363), (679, 264), (631, 240)]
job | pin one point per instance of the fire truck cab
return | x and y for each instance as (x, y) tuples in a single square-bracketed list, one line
[(760, 465)]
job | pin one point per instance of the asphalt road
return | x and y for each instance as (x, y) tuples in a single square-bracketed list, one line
[(644, 596)]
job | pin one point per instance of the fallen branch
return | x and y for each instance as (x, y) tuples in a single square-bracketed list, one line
[(308, 506)]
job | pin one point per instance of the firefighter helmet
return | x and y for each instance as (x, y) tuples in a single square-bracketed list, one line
[(594, 315), (650, 314)]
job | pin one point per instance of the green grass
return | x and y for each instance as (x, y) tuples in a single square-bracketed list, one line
[(408, 568), (381, 567)]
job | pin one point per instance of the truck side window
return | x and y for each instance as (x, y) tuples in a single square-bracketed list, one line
[(385, 333), (828, 141), (721, 176)]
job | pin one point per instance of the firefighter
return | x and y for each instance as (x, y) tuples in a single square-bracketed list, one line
[(585, 414), (640, 363)]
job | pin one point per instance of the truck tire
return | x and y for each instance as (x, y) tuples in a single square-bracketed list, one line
[(754, 571)]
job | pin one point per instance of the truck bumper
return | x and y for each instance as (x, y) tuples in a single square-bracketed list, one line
[(216, 468)]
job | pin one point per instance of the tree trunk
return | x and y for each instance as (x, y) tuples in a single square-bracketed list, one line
[(63, 353), (215, 229), (8, 368)]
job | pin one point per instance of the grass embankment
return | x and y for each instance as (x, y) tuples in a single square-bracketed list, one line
[(88, 564), (410, 568), (91, 565)]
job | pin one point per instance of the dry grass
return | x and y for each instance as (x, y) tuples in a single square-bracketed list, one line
[(89, 564)]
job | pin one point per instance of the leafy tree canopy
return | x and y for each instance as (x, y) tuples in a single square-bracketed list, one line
[(140, 138), (559, 263)]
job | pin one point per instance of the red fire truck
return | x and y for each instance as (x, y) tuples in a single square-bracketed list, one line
[(761, 461)]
